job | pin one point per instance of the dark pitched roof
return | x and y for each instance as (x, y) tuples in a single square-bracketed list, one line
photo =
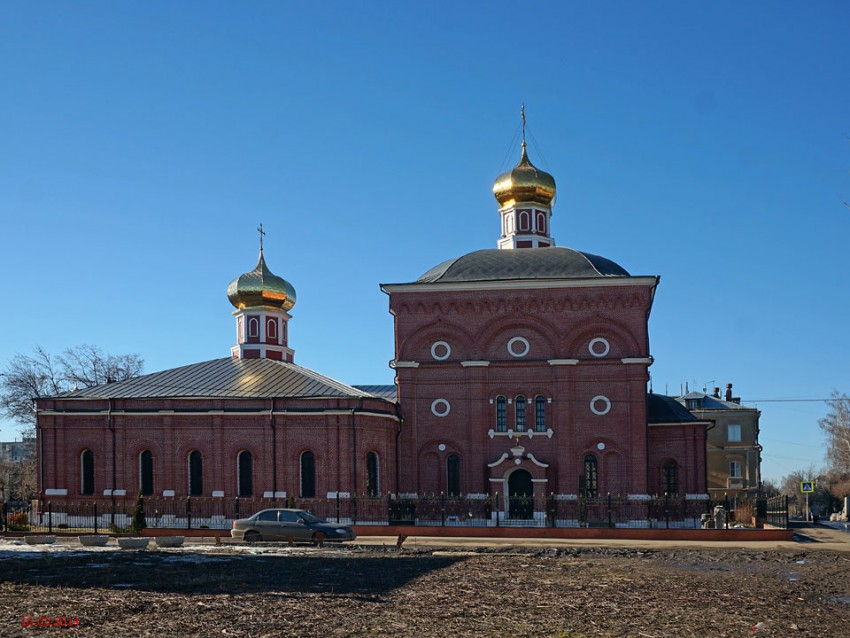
[(389, 392), (226, 378), (711, 402), (664, 409), (555, 262)]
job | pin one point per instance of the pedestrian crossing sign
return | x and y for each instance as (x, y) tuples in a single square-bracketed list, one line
[(807, 486)]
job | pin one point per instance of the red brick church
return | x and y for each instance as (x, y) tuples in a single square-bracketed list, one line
[(521, 369)]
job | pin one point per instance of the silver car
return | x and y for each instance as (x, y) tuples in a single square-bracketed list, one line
[(289, 525)]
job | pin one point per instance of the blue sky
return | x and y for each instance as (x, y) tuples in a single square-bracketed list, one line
[(703, 142)]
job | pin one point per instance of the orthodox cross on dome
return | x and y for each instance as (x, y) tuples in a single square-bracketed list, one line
[(262, 301), (525, 195), (522, 115)]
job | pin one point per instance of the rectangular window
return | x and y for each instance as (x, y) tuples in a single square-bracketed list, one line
[(520, 414), (735, 469), (733, 433), (540, 414), (501, 415)]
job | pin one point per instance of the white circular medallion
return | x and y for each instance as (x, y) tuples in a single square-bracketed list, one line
[(441, 350), (442, 447), (440, 407), (600, 446), (600, 405), (520, 351), (599, 347), (517, 461)]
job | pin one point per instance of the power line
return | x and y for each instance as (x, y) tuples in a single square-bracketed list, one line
[(788, 400), (766, 439)]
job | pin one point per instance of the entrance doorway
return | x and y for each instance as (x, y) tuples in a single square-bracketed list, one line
[(520, 495)]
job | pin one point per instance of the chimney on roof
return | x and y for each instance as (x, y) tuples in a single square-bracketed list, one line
[(716, 393), (728, 391)]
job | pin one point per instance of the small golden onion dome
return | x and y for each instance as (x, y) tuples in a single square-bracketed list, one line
[(524, 183), (261, 287)]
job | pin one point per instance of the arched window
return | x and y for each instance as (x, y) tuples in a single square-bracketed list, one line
[(271, 328), (501, 414), (373, 478), (590, 477), (308, 475), (524, 220), (453, 475), (541, 223), (539, 414), (146, 473), (245, 474), (520, 414), (196, 474), (87, 473), (253, 327), (670, 478)]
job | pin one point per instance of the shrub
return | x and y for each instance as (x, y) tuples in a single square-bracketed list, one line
[(137, 521), (17, 522)]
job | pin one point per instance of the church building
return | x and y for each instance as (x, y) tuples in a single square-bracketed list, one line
[(519, 370)]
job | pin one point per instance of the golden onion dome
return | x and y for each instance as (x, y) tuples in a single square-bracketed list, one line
[(524, 183), (261, 287)]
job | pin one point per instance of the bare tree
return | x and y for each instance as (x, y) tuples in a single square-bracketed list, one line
[(836, 425), (86, 366), (18, 479), (27, 378), (820, 498), (39, 375)]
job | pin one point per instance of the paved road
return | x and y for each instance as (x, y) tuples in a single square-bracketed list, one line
[(808, 536)]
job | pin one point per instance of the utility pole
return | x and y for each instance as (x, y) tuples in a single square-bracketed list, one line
[(807, 487)]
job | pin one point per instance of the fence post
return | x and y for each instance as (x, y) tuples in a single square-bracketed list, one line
[(442, 509), (49, 517), (95, 517), (389, 504), (337, 506), (610, 521), (188, 512), (354, 508), (552, 509), (496, 507), (667, 510), (236, 509), (5, 516)]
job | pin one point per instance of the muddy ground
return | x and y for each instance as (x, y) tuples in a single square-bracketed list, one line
[(375, 591)]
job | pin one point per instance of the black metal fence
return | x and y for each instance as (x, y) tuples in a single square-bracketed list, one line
[(554, 510), (776, 511)]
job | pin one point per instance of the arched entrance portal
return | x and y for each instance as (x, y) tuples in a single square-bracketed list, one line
[(520, 495)]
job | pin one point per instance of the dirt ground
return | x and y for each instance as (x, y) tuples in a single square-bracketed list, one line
[(421, 591)]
